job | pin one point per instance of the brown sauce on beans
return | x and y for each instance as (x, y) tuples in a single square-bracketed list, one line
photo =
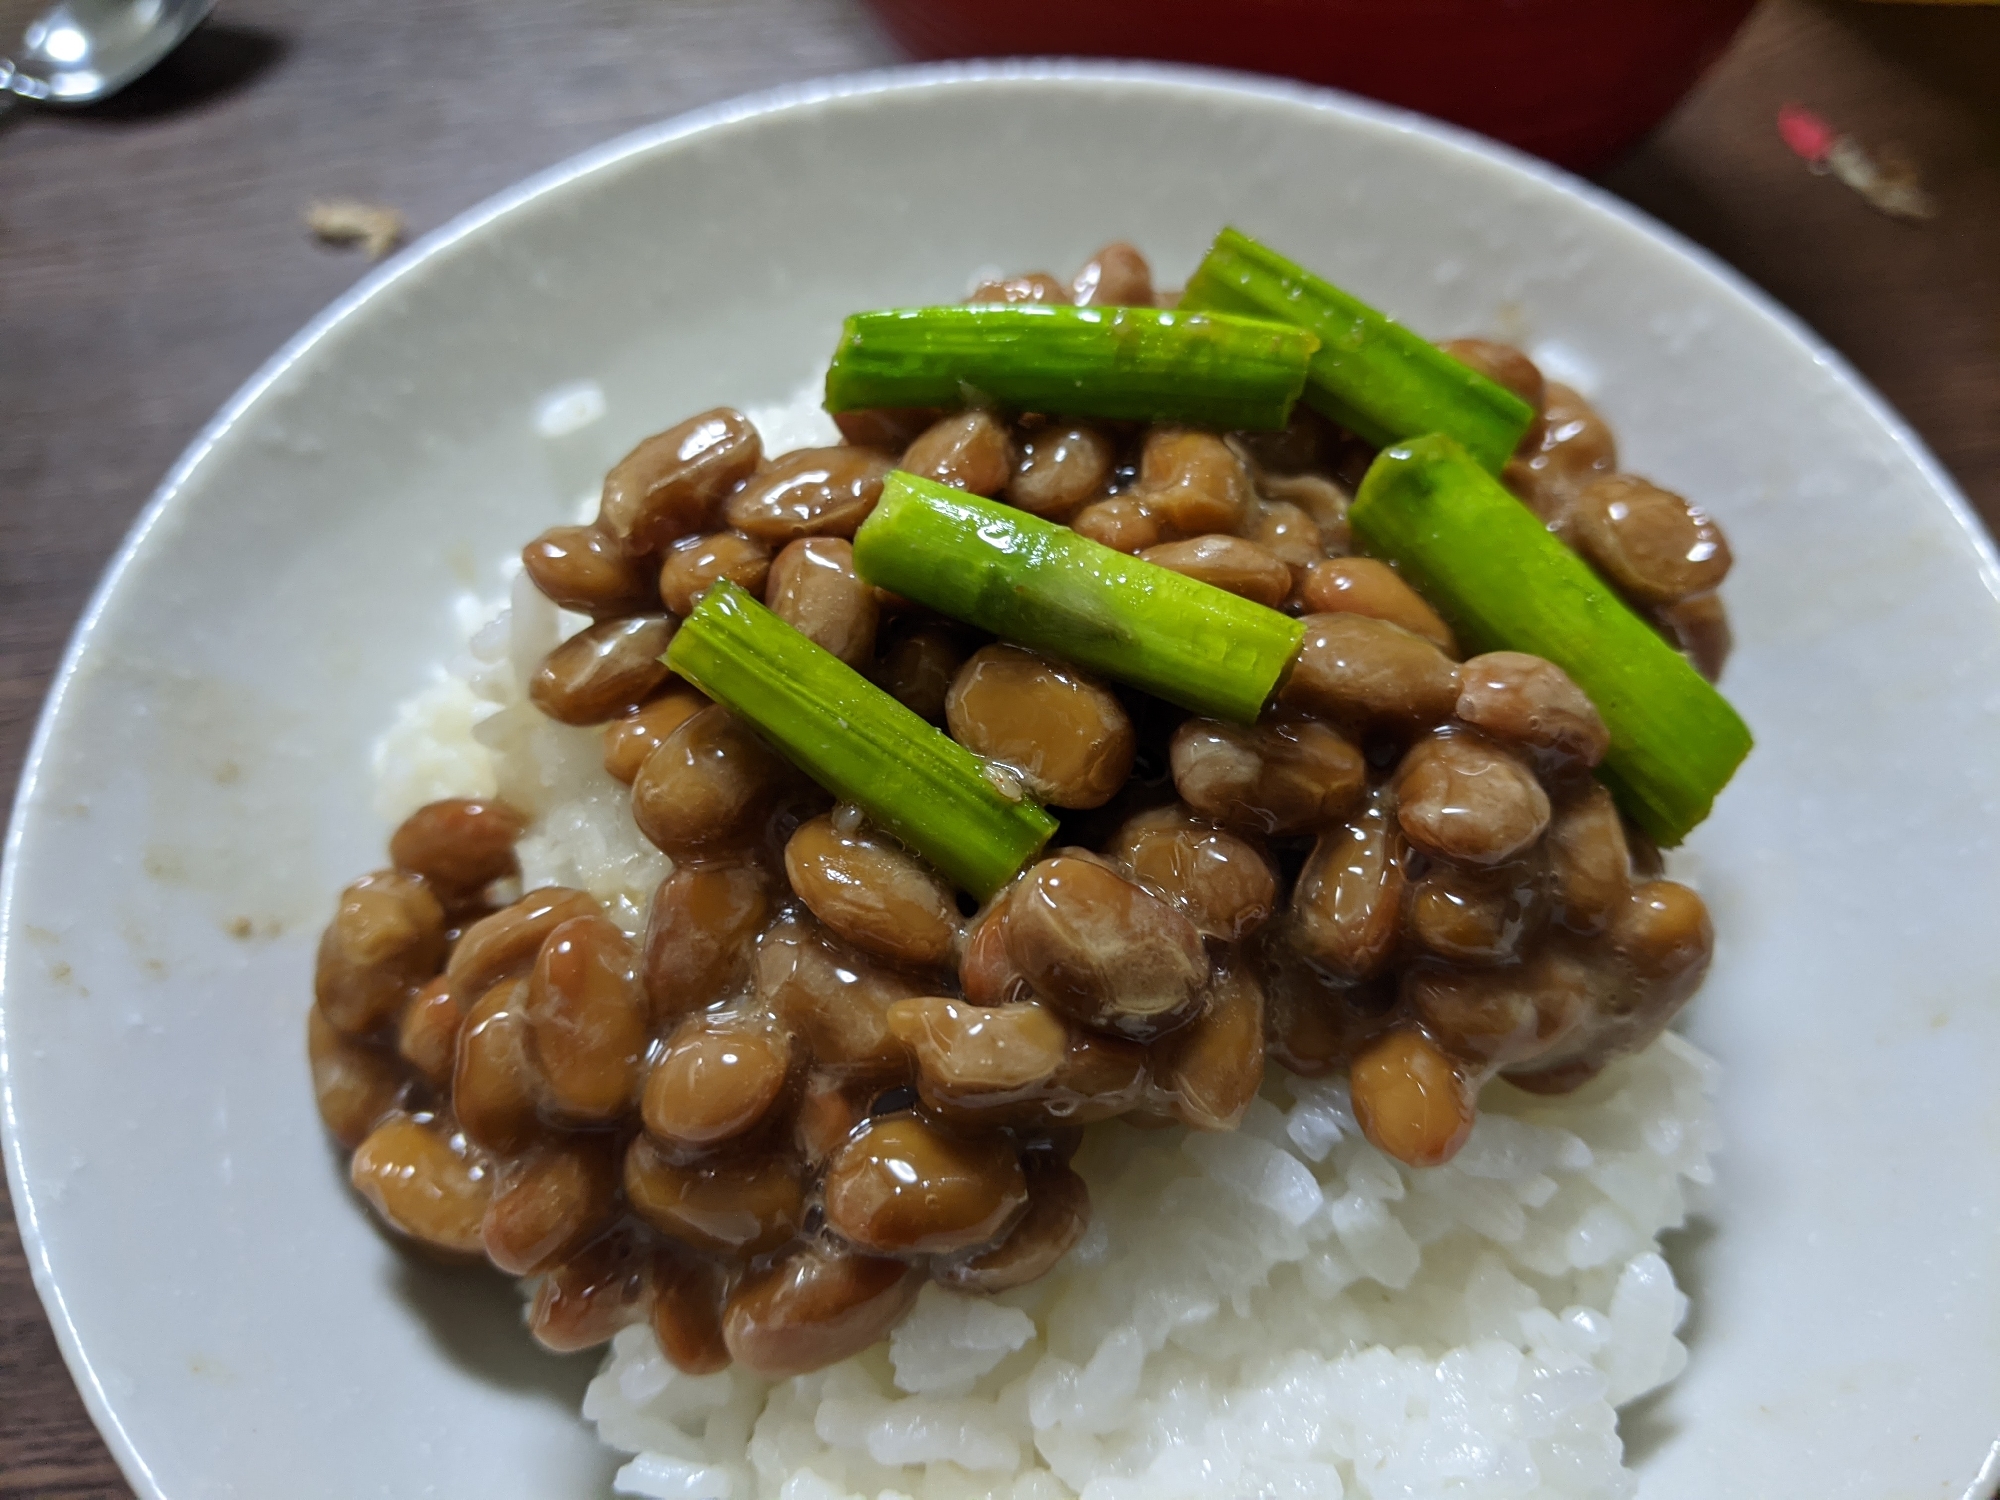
[(815, 1078)]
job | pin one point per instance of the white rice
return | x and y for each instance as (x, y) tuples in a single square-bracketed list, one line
[(1281, 1313)]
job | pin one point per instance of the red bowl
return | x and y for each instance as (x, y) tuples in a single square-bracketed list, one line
[(1576, 81)]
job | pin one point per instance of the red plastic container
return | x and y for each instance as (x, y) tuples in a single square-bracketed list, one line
[(1576, 81)]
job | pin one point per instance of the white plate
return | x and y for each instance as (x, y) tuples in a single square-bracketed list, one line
[(200, 786)]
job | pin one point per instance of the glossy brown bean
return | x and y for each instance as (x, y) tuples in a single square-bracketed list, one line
[(1475, 916), (1063, 731), (1116, 276), (834, 997), (1223, 883), (1662, 931), (628, 741), (711, 783), (1036, 286), (670, 485), (1100, 1077), (602, 1288), (869, 890), (744, 1205), (813, 492), (460, 845), (986, 973), (586, 1014), (694, 563), (1193, 481), (387, 937), (967, 1051), (814, 1308), (1649, 541), (506, 943), (1362, 670), (1530, 701), (1058, 1212), (1104, 950), (813, 588), (424, 1183), (427, 1032), (718, 1079), (917, 669), (1226, 562), (1462, 796), (688, 1295), (1572, 447), (1322, 501), (1490, 1018), (1364, 586), (1502, 364), (583, 568), (888, 428), (1124, 523), (1060, 468), (1287, 532), (968, 450), (355, 1083), (699, 934), (1410, 1100), (1349, 896), (603, 671), (1211, 1068), (550, 1205), (1590, 864), (1289, 774), (496, 1090), (900, 1186), (830, 1107), (1699, 629)]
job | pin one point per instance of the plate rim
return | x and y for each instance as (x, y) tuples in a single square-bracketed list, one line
[(424, 252)]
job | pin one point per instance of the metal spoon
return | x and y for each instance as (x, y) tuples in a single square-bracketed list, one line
[(80, 51)]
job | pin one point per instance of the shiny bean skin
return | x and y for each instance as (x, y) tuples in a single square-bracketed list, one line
[(834, 997), (1356, 668), (1226, 562), (669, 486), (628, 741), (1572, 447), (1699, 629), (550, 1205), (968, 450), (1036, 286), (583, 568), (712, 782), (1475, 916), (1461, 796), (814, 1308), (587, 1014), (870, 891), (1286, 532), (741, 1205), (1662, 931), (1650, 542), (1124, 523), (1502, 364), (1106, 951), (813, 492), (1100, 1077), (1193, 481), (1289, 774), (917, 669), (424, 1183), (603, 671), (387, 937), (506, 943), (1349, 896), (354, 1083), (1364, 586), (718, 1079), (964, 1051), (986, 973), (1223, 883), (1116, 276), (1066, 733), (583, 1302), (460, 845), (1322, 501), (1494, 1017), (1410, 1100), (694, 563), (813, 588), (699, 931), (1058, 1212), (427, 1033), (1059, 468), (1213, 1066), (687, 1311), (900, 1186), (495, 1088), (1532, 702), (1590, 864)]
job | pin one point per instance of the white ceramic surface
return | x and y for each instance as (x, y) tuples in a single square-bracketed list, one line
[(200, 787)]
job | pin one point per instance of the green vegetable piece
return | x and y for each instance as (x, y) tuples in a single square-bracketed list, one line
[(1043, 586), (1484, 560), (858, 742), (1371, 374), (1122, 363)]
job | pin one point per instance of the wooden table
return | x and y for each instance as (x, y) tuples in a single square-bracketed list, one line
[(151, 256)]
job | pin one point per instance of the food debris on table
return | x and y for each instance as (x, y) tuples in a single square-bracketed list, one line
[(375, 227), (1886, 179)]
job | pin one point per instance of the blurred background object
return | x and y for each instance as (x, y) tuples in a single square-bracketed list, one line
[(80, 51)]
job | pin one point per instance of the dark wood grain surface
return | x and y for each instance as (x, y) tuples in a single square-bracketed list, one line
[(151, 256)]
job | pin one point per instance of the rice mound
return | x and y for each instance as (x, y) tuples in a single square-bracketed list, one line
[(1282, 1312)]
